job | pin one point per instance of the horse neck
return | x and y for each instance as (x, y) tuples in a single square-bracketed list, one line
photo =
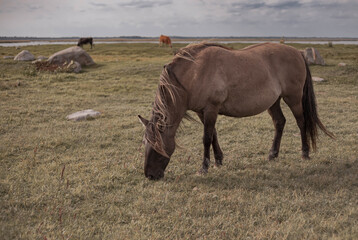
[(176, 110), (173, 115)]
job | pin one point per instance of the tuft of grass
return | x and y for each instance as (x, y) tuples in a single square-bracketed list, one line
[(84, 180)]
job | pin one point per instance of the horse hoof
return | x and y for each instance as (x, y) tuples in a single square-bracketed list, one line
[(217, 165), (306, 157), (219, 158), (202, 172), (272, 157)]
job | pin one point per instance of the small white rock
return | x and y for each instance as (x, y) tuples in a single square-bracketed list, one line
[(342, 64), (37, 60), (317, 79), (83, 115), (41, 57)]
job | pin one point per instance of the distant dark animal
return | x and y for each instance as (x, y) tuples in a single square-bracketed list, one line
[(165, 39), (83, 41), (210, 79)]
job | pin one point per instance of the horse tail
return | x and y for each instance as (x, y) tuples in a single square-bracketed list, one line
[(311, 120)]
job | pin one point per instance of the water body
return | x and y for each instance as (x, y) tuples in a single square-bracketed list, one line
[(35, 43)]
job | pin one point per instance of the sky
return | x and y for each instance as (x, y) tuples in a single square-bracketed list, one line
[(195, 18)]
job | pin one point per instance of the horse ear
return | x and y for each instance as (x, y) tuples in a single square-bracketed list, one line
[(143, 120)]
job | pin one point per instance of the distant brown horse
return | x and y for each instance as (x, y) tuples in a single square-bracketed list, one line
[(210, 79), (165, 39), (83, 41)]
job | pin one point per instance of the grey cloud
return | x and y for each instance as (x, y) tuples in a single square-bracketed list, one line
[(32, 8), (261, 5), (323, 5), (286, 5), (98, 4), (249, 5), (102, 7), (145, 4)]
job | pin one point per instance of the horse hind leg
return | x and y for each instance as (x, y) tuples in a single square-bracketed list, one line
[(218, 154), (279, 121), (297, 110)]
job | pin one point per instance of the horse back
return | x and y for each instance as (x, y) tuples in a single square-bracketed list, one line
[(244, 82)]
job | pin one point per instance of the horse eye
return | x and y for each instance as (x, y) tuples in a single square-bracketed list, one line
[(161, 129)]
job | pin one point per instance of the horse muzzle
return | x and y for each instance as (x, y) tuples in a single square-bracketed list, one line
[(154, 175)]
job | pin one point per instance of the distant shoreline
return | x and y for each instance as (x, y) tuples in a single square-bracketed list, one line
[(174, 38)]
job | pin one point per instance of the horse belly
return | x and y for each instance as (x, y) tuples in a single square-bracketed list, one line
[(249, 102)]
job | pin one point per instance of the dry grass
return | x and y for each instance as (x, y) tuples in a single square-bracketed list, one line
[(84, 180)]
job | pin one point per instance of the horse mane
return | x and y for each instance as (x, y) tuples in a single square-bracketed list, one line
[(167, 90), (190, 52), (167, 93)]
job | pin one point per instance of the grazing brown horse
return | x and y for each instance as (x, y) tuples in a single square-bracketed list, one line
[(165, 39), (210, 79), (83, 41)]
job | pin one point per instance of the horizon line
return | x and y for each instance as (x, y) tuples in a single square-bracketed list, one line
[(178, 36)]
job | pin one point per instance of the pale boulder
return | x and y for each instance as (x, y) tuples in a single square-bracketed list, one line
[(24, 56), (76, 54), (312, 56)]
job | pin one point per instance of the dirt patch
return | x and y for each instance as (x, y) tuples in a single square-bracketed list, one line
[(70, 67), (46, 66)]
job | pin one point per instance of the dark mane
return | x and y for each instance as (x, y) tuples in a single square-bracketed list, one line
[(189, 52), (167, 92)]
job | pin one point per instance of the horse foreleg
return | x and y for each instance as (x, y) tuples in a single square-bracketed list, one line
[(217, 150), (279, 122), (209, 116), (215, 143)]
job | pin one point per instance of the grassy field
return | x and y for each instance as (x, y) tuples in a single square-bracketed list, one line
[(84, 180)]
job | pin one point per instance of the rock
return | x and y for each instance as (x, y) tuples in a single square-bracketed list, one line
[(342, 64), (312, 56), (24, 55), (317, 79), (74, 66), (67, 55), (42, 57), (37, 60), (83, 115), (8, 57)]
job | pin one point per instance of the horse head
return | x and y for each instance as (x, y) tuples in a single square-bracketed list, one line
[(156, 158)]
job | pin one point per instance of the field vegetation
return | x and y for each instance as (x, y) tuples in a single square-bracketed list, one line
[(84, 180)]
